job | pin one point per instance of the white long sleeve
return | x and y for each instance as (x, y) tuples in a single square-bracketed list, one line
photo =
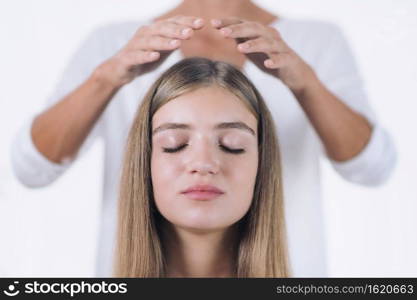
[(30, 166), (374, 164), (339, 72)]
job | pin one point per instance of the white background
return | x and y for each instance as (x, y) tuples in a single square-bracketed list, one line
[(52, 231)]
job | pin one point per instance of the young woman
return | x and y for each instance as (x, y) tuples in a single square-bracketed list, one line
[(201, 191)]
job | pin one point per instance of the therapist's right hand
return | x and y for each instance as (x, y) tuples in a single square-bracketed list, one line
[(147, 49)]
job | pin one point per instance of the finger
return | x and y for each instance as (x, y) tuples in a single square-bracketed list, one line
[(157, 43), (220, 23), (141, 57), (276, 60), (243, 30), (261, 44), (193, 22), (170, 29)]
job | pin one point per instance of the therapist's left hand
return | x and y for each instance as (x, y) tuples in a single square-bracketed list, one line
[(264, 46)]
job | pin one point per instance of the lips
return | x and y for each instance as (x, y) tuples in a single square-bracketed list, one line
[(202, 192)]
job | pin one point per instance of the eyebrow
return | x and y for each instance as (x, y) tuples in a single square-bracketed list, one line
[(224, 125)]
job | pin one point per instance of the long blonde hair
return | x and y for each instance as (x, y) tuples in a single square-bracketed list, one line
[(262, 247)]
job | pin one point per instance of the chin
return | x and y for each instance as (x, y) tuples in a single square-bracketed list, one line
[(202, 220), (200, 226)]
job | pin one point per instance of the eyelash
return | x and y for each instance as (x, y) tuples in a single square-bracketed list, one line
[(224, 148)]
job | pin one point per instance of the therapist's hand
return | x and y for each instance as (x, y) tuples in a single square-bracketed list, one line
[(148, 48), (264, 46)]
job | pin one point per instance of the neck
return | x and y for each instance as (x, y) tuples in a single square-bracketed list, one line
[(215, 9), (199, 254), (208, 9)]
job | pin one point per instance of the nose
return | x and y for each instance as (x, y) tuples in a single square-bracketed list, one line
[(203, 160)]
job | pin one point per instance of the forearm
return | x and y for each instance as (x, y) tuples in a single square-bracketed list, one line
[(59, 132), (343, 132)]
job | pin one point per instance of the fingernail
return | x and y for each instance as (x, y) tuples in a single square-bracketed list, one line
[(198, 22), (226, 31), (244, 46), (216, 22), (186, 31), (174, 42), (153, 54)]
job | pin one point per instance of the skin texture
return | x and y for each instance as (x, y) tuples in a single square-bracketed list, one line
[(200, 233)]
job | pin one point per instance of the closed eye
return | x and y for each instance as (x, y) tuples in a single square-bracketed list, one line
[(230, 150), (173, 150), (224, 148)]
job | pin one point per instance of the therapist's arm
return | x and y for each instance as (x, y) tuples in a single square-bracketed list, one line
[(59, 132), (343, 132)]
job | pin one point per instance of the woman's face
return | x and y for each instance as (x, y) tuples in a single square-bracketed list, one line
[(204, 159)]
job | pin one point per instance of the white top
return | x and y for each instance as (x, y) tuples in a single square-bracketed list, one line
[(320, 44)]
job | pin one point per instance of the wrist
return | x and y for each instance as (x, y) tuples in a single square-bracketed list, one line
[(310, 84), (102, 76), (101, 87)]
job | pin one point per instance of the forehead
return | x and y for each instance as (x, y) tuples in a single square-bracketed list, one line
[(204, 107)]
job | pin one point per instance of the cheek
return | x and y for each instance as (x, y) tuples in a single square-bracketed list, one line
[(164, 171), (242, 177), (242, 169), (165, 167)]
